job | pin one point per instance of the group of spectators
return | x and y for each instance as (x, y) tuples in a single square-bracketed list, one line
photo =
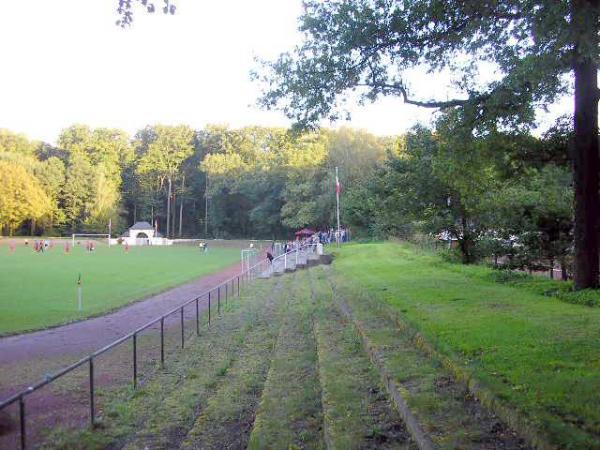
[(331, 236), (288, 246), (322, 237)]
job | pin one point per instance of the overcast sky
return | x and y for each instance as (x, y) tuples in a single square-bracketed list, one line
[(65, 62)]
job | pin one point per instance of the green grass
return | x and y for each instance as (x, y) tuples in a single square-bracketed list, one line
[(40, 290), (227, 417), (199, 386), (290, 411), (357, 411), (535, 352)]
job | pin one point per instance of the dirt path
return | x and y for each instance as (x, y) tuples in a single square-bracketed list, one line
[(68, 342)]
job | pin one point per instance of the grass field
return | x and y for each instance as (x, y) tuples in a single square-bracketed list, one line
[(535, 352), (38, 290), (337, 341)]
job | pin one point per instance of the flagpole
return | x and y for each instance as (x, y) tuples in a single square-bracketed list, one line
[(337, 200)]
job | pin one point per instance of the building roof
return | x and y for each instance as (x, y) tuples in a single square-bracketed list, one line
[(141, 226)]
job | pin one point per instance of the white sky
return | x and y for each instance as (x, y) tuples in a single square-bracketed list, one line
[(66, 62)]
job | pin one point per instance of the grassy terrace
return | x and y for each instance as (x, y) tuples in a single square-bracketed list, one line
[(315, 359), (264, 375), (39, 290), (540, 355)]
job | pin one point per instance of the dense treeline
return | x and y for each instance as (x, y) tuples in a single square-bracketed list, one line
[(495, 194), (507, 60), (251, 182), (502, 195)]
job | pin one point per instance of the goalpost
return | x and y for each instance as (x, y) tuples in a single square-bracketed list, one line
[(249, 259), (94, 236)]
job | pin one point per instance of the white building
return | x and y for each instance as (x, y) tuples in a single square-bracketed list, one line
[(142, 233)]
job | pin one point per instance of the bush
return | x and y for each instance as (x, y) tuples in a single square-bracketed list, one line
[(550, 288), (508, 276), (535, 284), (587, 297), (451, 255)]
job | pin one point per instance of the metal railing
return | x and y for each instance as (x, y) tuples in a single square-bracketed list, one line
[(223, 291), (291, 258)]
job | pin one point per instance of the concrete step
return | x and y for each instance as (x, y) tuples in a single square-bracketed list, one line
[(326, 259)]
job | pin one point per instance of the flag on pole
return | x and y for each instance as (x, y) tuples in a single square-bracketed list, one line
[(338, 186), (79, 280)]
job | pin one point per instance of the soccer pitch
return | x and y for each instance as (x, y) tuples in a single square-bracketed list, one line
[(38, 290)]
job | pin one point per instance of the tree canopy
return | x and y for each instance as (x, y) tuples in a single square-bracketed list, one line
[(21, 196), (533, 46), (125, 9)]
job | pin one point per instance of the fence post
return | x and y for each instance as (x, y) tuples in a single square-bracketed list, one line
[(197, 319), (162, 342), (209, 308), (182, 329), (238, 281), (134, 360), (219, 300), (226, 291), (22, 421), (92, 413)]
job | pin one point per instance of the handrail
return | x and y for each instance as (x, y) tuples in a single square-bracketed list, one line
[(19, 396)]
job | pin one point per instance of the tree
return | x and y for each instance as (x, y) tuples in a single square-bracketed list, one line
[(51, 174), (104, 205), (21, 196), (247, 174), (110, 153), (108, 149), (368, 44), (162, 153), (17, 143), (125, 9), (78, 192), (536, 209)]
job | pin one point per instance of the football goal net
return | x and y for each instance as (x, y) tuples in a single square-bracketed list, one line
[(99, 238), (249, 260)]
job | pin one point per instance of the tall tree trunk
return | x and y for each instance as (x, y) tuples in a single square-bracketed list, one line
[(173, 214), (466, 241), (168, 209), (181, 205), (564, 275), (180, 216), (586, 161), (206, 206)]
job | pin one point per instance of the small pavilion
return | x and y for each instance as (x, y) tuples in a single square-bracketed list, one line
[(142, 233), (141, 230)]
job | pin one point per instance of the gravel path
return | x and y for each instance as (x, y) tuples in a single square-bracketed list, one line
[(83, 337)]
